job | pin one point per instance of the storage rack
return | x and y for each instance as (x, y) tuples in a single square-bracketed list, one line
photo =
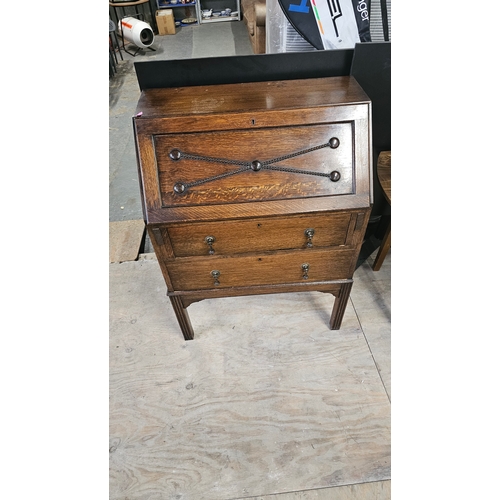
[(182, 10), (217, 7)]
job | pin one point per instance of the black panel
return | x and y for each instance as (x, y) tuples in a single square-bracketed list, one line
[(371, 66), (242, 69)]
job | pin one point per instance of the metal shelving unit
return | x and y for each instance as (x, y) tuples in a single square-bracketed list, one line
[(182, 10), (218, 8)]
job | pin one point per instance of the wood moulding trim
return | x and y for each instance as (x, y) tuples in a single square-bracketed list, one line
[(257, 209), (317, 286)]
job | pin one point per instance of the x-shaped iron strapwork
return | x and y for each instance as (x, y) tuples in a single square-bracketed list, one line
[(255, 165)]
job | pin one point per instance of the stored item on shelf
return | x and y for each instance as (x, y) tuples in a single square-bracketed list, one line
[(165, 22)]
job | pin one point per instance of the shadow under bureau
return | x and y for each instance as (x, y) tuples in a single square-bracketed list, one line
[(255, 188)]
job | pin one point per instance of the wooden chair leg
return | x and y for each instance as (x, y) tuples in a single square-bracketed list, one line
[(384, 248)]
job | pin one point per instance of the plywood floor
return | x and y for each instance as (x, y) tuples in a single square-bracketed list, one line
[(265, 403), (125, 239)]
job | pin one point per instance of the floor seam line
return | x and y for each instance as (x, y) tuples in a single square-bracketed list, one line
[(370, 349)]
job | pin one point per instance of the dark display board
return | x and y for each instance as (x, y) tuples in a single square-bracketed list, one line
[(242, 69)]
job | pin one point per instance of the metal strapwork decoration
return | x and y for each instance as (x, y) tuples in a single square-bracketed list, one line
[(181, 187)]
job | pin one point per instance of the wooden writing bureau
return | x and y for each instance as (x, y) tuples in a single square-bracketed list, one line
[(256, 188)]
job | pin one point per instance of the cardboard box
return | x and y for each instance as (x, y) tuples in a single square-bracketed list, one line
[(165, 22)]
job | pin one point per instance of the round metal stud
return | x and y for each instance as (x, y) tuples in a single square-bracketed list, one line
[(335, 176), (175, 154), (179, 187), (256, 165), (334, 142)]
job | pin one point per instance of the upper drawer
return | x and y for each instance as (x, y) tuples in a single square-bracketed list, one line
[(261, 234)]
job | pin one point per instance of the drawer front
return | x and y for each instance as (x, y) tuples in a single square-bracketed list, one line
[(259, 235), (266, 269)]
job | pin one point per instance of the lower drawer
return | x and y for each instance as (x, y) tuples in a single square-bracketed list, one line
[(267, 269)]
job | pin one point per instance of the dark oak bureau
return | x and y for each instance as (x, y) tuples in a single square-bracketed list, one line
[(255, 188)]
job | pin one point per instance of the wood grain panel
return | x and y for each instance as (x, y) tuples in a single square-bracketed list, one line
[(148, 175), (260, 234), (247, 146), (255, 96), (290, 116), (194, 273), (260, 209)]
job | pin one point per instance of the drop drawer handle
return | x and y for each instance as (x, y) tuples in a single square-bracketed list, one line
[(215, 276), (305, 271), (309, 235), (210, 240)]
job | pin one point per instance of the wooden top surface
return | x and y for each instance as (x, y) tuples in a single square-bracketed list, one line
[(384, 173), (254, 96)]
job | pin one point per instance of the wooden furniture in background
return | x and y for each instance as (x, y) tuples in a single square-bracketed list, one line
[(256, 188), (254, 17), (384, 176)]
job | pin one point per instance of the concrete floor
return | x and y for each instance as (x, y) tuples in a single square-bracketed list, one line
[(266, 402)]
